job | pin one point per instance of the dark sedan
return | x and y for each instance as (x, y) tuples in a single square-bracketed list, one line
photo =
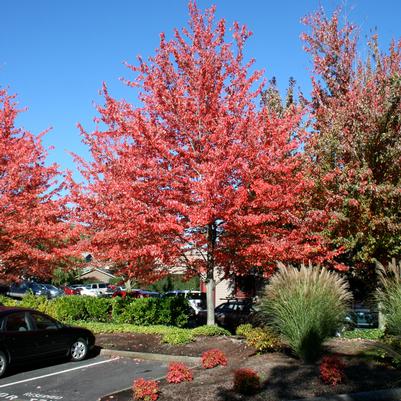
[(27, 335), (231, 314), (19, 290)]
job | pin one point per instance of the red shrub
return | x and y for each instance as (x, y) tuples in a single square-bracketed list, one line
[(178, 372), (146, 390), (212, 358), (332, 370), (246, 381)]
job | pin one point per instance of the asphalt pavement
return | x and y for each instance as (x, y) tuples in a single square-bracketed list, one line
[(87, 380)]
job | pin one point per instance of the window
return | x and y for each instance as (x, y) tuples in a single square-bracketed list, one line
[(227, 307), (16, 322), (44, 322), (102, 286)]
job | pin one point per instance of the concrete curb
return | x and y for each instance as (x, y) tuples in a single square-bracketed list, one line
[(152, 357), (393, 394)]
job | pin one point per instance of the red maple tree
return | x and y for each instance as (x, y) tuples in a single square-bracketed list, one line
[(199, 176), (34, 236), (355, 147)]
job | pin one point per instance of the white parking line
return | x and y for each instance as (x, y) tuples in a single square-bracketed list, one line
[(58, 373)]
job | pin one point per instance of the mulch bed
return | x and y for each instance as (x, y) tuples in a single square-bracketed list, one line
[(284, 376), (152, 343)]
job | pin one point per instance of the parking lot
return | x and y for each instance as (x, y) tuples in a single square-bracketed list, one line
[(87, 380)]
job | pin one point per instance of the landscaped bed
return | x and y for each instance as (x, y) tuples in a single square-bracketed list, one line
[(282, 375)]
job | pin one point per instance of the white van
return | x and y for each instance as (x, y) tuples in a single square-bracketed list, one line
[(196, 299), (96, 290)]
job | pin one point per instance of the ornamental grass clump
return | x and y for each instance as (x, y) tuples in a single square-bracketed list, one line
[(306, 306), (389, 297)]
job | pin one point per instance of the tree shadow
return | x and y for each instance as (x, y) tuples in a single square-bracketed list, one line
[(297, 381), (284, 382), (45, 363)]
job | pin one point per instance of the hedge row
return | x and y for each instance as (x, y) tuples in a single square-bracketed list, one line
[(170, 311)]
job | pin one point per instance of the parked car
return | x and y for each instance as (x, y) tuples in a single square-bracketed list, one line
[(70, 290), (54, 291), (362, 318), (96, 290), (28, 335), (135, 293), (78, 287), (124, 293), (196, 299), (150, 294), (231, 314), (19, 290)]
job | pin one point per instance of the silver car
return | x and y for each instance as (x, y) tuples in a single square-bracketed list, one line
[(53, 290)]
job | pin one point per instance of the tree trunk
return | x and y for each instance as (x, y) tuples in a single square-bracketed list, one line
[(381, 317), (210, 282), (210, 286)]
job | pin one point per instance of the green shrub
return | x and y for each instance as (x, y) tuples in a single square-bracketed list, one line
[(7, 301), (209, 331), (365, 334), (119, 306), (98, 309), (387, 350), (263, 339), (69, 309), (389, 297), (34, 302), (141, 311), (171, 311), (305, 307), (243, 329), (391, 345), (178, 336)]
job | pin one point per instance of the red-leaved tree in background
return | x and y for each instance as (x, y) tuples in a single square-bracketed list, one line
[(34, 236), (355, 149), (199, 176)]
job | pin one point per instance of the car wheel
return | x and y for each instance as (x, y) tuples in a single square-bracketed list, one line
[(79, 349), (3, 363)]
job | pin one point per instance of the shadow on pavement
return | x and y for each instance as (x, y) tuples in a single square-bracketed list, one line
[(31, 366)]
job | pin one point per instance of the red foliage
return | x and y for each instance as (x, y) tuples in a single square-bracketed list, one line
[(213, 358), (246, 381), (34, 235), (198, 175), (332, 370), (356, 116), (146, 390), (178, 372)]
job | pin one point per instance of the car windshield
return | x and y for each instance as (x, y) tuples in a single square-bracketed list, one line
[(199, 295), (50, 287), (36, 286)]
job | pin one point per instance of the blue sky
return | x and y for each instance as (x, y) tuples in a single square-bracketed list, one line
[(55, 54)]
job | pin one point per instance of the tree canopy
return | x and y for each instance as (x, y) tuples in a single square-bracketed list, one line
[(200, 175), (355, 149), (34, 234)]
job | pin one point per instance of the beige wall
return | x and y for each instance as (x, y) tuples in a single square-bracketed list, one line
[(223, 290), (97, 276)]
